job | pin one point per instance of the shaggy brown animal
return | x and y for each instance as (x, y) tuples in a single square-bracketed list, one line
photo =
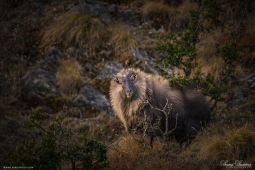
[(135, 95)]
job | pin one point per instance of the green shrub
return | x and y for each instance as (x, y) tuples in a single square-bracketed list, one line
[(55, 148)]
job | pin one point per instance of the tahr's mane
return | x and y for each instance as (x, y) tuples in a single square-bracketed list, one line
[(147, 87), (126, 109)]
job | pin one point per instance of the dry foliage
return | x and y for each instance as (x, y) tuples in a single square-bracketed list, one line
[(235, 144), (122, 40), (127, 153), (75, 30), (209, 60), (171, 18), (213, 65), (70, 78)]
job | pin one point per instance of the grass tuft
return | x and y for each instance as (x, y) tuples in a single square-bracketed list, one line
[(74, 30), (122, 40), (237, 144), (128, 153), (171, 18), (213, 65), (70, 78)]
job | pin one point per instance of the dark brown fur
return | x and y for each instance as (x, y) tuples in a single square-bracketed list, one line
[(133, 97)]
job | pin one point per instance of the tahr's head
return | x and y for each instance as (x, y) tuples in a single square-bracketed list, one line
[(130, 82), (127, 81)]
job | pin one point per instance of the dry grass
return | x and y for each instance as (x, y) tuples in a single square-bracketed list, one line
[(157, 9), (70, 78), (75, 30), (230, 14), (207, 59), (126, 153), (122, 40), (233, 144), (207, 46), (214, 66), (171, 18)]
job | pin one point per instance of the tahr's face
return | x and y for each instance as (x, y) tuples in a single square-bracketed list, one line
[(127, 80)]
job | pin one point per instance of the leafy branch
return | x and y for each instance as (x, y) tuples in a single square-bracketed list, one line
[(55, 148)]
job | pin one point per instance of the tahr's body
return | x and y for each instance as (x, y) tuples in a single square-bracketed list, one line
[(136, 95)]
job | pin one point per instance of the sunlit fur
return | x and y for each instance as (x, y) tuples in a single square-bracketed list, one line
[(188, 106), (124, 107)]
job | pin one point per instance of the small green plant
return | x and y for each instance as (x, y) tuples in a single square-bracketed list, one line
[(55, 148), (181, 51), (201, 81)]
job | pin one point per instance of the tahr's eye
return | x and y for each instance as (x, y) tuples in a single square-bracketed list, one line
[(133, 77), (117, 81)]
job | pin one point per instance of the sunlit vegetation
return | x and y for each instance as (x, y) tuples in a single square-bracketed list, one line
[(75, 30), (231, 144), (122, 40), (70, 78), (172, 18)]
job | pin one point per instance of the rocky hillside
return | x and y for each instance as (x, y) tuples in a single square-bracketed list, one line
[(61, 55)]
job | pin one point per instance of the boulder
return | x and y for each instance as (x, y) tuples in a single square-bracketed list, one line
[(107, 12), (250, 79), (38, 86), (132, 16), (149, 64), (102, 80), (89, 97), (110, 69)]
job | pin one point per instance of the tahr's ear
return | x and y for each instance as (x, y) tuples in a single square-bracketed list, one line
[(117, 78)]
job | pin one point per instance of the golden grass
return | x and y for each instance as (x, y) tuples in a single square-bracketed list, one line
[(207, 59), (70, 78), (207, 49), (207, 46), (122, 40), (234, 144), (213, 65), (172, 18), (127, 153), (157, 9), (75, 30), (208, 149)]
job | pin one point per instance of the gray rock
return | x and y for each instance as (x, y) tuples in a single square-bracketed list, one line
[(132, 16), (110, 69), (107, 12), (105, 53), (39, 84), (113, 10), (148, 62), (249, 79), (89, 97), (94, 9), (142, 55)]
